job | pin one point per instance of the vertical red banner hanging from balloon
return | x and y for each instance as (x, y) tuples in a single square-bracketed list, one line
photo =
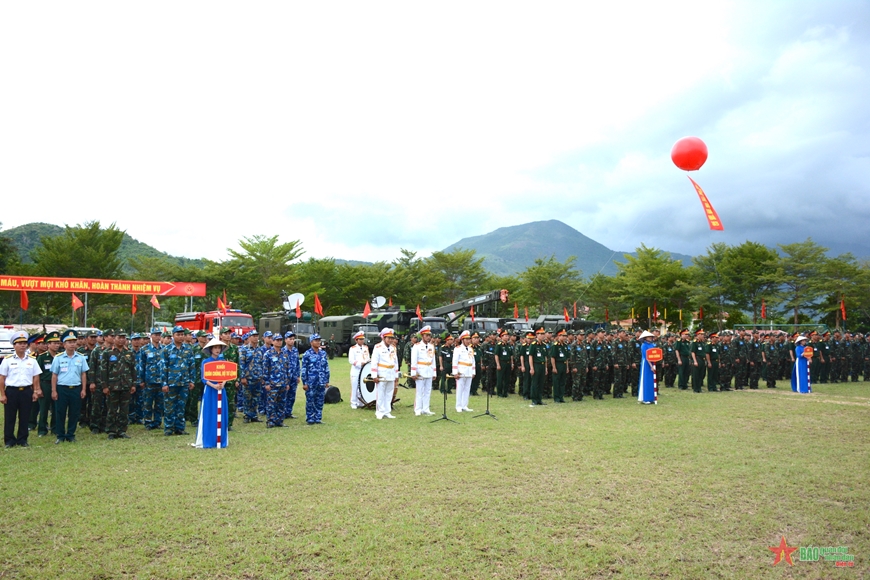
[(712, 216)]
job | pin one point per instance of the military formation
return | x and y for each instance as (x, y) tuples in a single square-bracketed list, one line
[(104, 383), (564, 365)]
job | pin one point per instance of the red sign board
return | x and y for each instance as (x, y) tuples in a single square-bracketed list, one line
[(220, 371), (39, 284), (654, 355), (808, 352)]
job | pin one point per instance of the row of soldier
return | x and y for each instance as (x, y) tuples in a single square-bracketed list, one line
[(601, 363)]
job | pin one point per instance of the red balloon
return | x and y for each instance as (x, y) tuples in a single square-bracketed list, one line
[(689, 153)]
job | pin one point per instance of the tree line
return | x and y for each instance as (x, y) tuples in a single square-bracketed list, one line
[(728, 285)]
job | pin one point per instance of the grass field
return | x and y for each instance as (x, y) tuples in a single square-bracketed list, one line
[(696, 487)]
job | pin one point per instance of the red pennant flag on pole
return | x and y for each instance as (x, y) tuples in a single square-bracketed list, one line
[(367, 310), (516, 311), (226, 302), (25, 302), (655, 313), (575, 309), (606, 316), (843, 307), (712, 216), (763, 310), (701, 313), (318, 307), (526, 311), (565, 309), (154, 302), (76, 303), (133, 308), (390, 301), (472, 314), (419, 314), (298, 310)]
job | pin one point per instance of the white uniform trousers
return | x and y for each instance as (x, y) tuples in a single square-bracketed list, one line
[(463, 388), (354, 388), (424, 392), (385, 398)]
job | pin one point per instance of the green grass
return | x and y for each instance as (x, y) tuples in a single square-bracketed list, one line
[(696, 487)]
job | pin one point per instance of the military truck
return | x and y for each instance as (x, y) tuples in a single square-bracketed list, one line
[(284, 320), (556, 322), (342, 328)]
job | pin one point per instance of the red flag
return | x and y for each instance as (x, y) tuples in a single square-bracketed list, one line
[(701, 313), (133, 308), (516, 311), (606, 316), (419, 314), (221, 307), (763, 310), (76, 303), (472, 314), (367, 310), (226, 302), (575, 309), (655, 313), (526, 310), (712, 216), (24, 300), (154, 302), (318, 307), (843, 307), (390, 301), (298, 310), (566, 314)]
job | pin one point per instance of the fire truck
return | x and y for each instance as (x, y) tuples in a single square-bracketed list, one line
[(236, 320)]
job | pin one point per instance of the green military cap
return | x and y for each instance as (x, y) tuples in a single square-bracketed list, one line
[(121, 333), (166, 334), (52, 337), (108, 332), (225, 330), (186, 331)]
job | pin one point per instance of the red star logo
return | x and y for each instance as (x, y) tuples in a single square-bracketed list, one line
[(782, 551)]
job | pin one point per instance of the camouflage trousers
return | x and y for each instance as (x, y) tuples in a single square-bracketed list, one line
[(740, 375), (174, 403), (136, 401), (578, 386), (600, 383), (191, 407), (97, 410), (725, 375), (289, 400), (275, 405), (117, 410), (754, 375), (671, 374), (152, 406)]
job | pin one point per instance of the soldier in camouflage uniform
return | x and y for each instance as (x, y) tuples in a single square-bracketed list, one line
[(684, 359), (741, 361), (86, 351), (600, 365), (522, 355), (118, 369), (755, 360), (231, 354), (865, 353), (149, 373), (579, 364), (634, 352), (191, 408), (537, 363), (836, 357), (478, 363), (178, 378), (489, 368), (97, 410), (771, 354), (712, 354), (698, 358), (621, 363), (670, 361), (445, 360), (726, 362)]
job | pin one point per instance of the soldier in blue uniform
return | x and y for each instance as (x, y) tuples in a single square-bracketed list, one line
[(178, 378), (315, 379), (275, 373), (292, 373), (149, 373)]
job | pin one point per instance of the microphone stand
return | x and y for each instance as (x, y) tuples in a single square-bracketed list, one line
[(488, 394), (444, 416)]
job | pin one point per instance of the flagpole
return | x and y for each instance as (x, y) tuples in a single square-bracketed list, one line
[(152, 316), (86, 308)]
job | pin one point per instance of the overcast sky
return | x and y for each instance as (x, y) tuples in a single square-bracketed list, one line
[(365, 127)]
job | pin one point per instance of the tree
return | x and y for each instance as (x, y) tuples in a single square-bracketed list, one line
[(456, 275), (744, 269), (84, 251), (652, 277), (550, 284), (798, 273)]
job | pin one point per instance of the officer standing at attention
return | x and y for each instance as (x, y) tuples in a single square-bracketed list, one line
[(503, 364), (315, 379), (231, 354), (150, 376), (712, 361), (69, 384), (699, 352), (45, 404), (537, 361), (19, 389), (119, 373), (477, 351), (357, 357), (559, 356), (684, 359)]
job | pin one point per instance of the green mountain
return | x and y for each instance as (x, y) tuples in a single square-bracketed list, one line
[(510, 250), (28, 236)]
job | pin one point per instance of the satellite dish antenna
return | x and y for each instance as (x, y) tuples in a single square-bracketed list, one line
[(379, 301), (293, 300)]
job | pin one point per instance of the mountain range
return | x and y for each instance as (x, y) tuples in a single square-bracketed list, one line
[(510, 250), (505, 251)]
